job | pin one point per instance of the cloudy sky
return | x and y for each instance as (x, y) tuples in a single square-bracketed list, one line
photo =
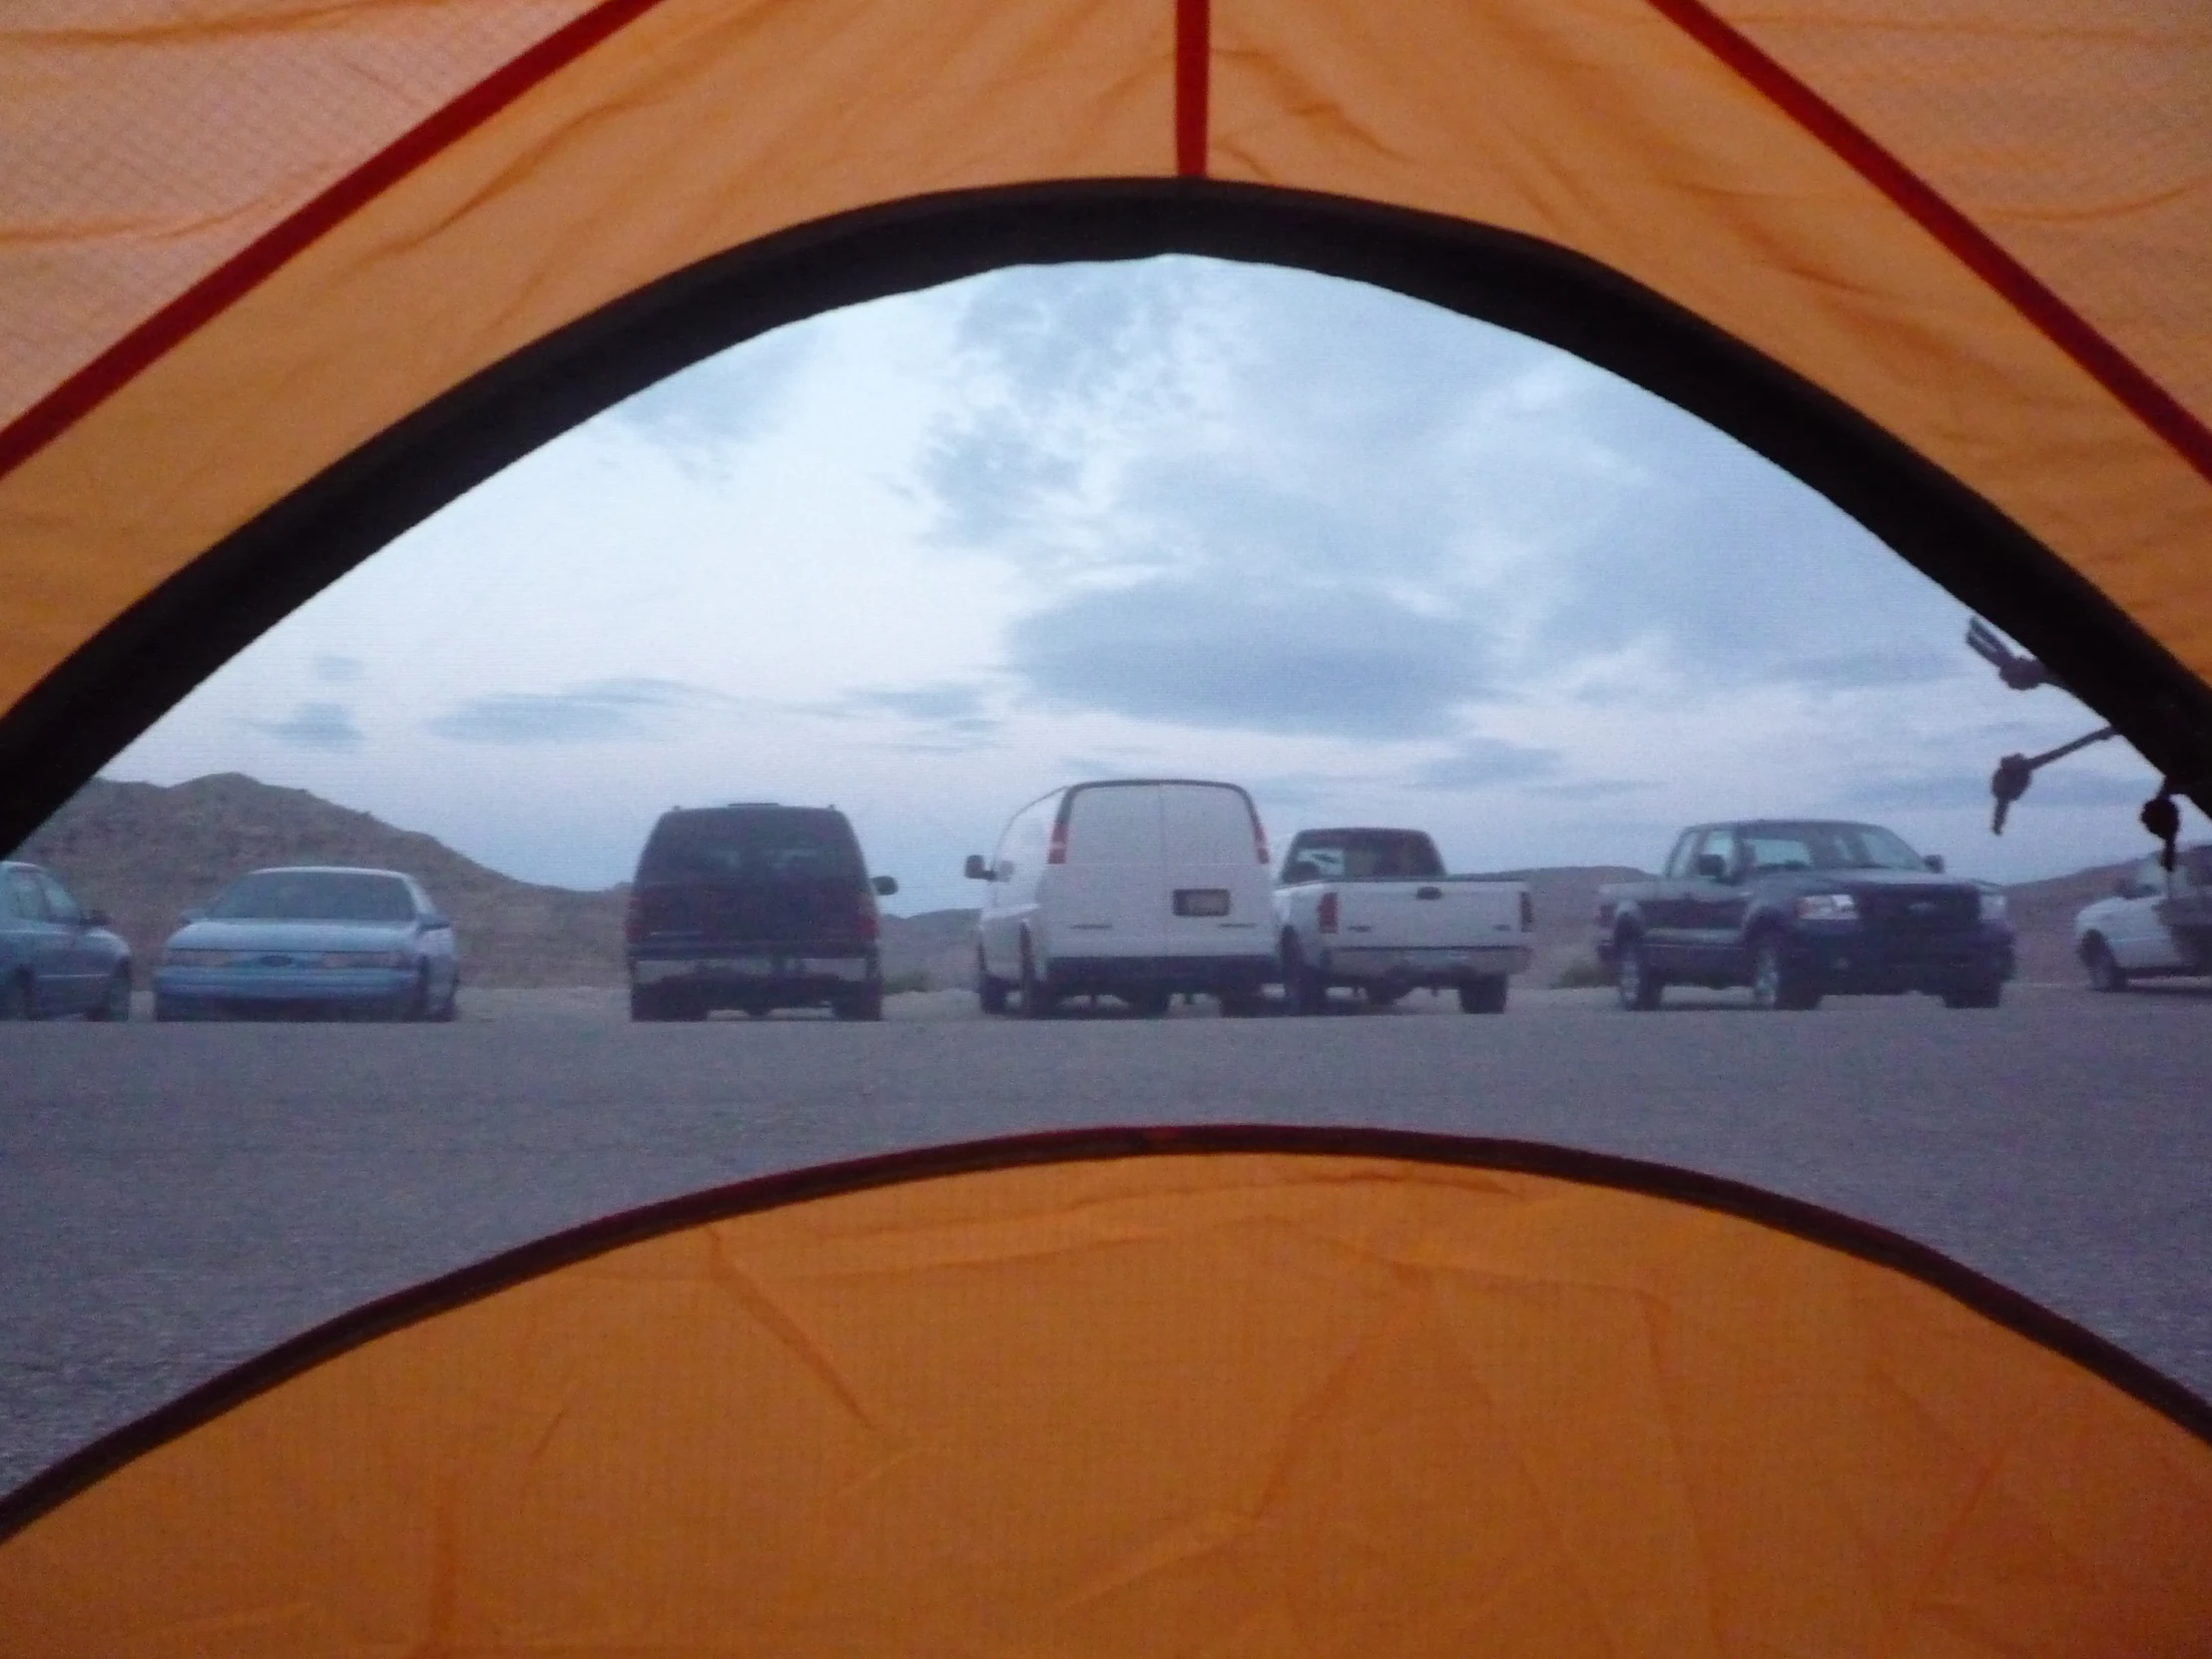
[(928, 558)]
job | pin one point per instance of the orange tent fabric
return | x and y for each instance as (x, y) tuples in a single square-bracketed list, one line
[(1179, 1395), (243, 243)]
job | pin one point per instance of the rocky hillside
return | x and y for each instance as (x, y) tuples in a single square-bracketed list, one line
[(145, 852)]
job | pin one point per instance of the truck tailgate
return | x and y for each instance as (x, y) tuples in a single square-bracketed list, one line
[(1438, 914)]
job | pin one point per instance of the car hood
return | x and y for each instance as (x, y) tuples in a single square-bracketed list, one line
[(291, 935)]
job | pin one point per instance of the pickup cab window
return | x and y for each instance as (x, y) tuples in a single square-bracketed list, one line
[(1682, 861), (1354, 854)]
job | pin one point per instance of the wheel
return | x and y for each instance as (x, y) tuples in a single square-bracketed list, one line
[(450, 1010), (1305, 991), (1975, 993), (417, 1006), (1640, 988), (1485, 995), (1037, 1000), (1779, 983), (1384, 996), (647, 1005), (864, 1003), (2105, 972), (1150, 1003), (990, 990), (115, 1002), (1239, 1001), (15, 998)]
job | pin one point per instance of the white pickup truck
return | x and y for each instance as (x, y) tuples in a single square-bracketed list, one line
[(1375, 911)]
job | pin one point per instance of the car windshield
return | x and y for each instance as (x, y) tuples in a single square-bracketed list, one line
[(1765, 846), (314, 896), (733, 845), (1354, 853)]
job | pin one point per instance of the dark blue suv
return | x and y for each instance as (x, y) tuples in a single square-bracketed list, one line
[(55, 956)]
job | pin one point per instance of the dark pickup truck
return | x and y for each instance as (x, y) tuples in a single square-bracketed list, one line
[(1800, 908)]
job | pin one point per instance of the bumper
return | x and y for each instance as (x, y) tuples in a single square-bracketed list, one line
[(738, 972), (1851, 961), (1112, 975), (1426, 967), (228, 993)]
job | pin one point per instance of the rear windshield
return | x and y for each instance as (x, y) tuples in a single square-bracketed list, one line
[(1330, 854), (743, 844), (314, 896)]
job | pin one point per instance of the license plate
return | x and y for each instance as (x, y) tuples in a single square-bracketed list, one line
[(733, 964), (1201, 901)]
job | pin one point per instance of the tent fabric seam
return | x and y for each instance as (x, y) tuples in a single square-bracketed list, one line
[(1793, 1217), (214, 293), (2134, 386)]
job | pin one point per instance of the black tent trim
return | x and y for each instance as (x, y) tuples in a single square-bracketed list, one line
[(47, 1492), (122, 680)]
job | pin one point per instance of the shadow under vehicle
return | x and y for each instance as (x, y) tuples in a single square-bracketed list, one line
[(1799, 909), (753, 907)]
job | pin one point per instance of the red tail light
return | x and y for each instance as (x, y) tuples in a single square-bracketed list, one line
[(1259, 835), (1327, 915), (1057, 854), (1527, 913), (871, 922)]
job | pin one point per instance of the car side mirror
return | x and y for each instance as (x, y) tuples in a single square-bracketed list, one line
[(1712, 867), (196, 913), (976, 870), (432, 922), (884, 886), (1934, 861), (1303, 870), (97, 918), (2124, 887)]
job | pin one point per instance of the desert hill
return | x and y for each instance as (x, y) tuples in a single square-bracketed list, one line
[(146, 852)]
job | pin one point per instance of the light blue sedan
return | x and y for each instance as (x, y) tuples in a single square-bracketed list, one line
[(309, 941), (55, 956)]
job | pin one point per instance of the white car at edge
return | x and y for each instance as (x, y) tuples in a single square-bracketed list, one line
[(2153, 925)]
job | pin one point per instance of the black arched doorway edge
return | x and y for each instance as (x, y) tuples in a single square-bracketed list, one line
[(1828, 1229), (139, 667)]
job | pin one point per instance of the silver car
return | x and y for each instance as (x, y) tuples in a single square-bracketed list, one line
[(57, 959)]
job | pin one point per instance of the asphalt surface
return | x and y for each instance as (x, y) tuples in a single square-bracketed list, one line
[(176, 1198)]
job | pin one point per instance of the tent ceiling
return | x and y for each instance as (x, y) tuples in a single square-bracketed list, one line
[(254, 238)]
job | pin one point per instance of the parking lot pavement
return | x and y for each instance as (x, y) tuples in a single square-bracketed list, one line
[(175, 1198)]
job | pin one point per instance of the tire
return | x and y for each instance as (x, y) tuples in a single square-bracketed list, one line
[(15, 998), (1150, 1003), (990, 990), (2105, 972), (1639, 987), (1037, 999), (114, 1005), (1485, 995), (865, 1003), (1777, 984), (647, 1005), (416, 1007), (1975, 993), (1305, 991), (450, 1010)]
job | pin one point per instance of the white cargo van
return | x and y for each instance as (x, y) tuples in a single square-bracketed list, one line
[(1139, 888)]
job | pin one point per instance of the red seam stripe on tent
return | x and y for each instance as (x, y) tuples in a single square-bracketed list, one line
[(1974, 246), (1193, 54), (230, 281)]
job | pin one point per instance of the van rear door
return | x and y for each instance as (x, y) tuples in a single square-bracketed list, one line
[(1219, 898), (1105, 894)]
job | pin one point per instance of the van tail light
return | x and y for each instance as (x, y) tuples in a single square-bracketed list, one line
[(1527, 912), (1327, 916), (1057, 852), (870, 920), (1259, 835), (633, 921)]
